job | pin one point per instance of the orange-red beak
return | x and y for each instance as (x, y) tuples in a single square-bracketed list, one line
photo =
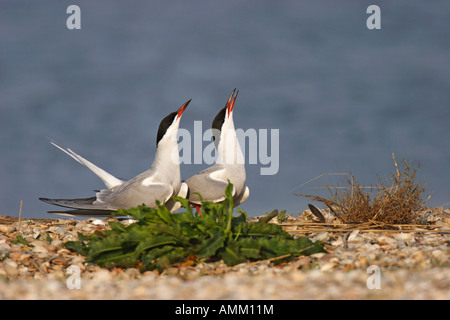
[(182, 108), (231, 101)]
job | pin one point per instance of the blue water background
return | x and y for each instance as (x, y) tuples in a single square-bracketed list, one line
[(343, 97)]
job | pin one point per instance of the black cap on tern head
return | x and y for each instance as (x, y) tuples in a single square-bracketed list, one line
[(168, 121), (220, 117)]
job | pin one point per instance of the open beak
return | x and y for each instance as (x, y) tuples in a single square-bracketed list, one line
[(231, 101), (182, 108)]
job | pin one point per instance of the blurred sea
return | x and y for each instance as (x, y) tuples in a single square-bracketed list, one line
[(343, 97)]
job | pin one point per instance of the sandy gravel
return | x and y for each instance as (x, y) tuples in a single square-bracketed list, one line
[(360, 264)]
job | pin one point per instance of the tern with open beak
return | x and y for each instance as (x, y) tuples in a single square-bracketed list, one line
[(229, 165), (159, 183)]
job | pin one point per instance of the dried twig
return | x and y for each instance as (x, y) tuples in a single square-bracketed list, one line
[(370, 226), (20, 217), (319, 176), (397, 201)]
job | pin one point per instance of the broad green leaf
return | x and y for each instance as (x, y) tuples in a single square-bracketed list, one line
[(267, 229), (231, 255), (210, 246), (117, 226), (308, 247), (77, 246), (153, 242), (250, 248), (184, 203), (164, 213)]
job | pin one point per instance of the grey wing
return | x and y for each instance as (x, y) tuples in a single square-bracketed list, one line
[(127, 196), (81, 203), (80, 207), (208, 186), (111, 200)]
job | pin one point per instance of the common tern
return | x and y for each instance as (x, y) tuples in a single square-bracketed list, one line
[(159, 183), (229, 166)]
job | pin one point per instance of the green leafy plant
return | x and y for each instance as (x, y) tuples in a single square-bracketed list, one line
[(160, 239)]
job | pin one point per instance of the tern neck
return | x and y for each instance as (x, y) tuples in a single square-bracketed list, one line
[(167, 157), (228, 149)]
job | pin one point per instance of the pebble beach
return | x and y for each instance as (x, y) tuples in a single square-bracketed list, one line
[(409, 263)]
